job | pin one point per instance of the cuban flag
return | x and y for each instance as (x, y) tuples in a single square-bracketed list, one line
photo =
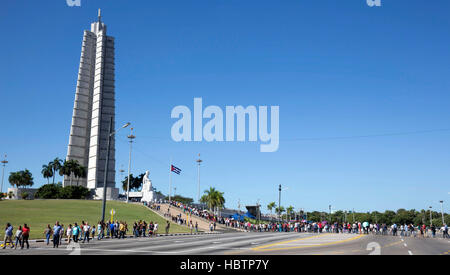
[(176, 170)]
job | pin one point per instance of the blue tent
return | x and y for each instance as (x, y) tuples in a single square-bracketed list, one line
[(248, 215), (237, 217)]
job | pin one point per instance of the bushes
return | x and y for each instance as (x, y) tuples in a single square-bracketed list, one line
[(53, 191), (49, 191), (24, 195), (74, 193)]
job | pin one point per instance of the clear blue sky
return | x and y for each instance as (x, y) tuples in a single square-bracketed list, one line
[(335, 68)]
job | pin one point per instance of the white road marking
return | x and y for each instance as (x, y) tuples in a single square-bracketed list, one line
[(405, 244), (410, 253)]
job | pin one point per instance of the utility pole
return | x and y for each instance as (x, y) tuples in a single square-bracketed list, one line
[(431, 217), (199, 161), (329, 207), (259, 211), (4, 162), (131, 137), (442, 212), (279, 202), (111, 133)]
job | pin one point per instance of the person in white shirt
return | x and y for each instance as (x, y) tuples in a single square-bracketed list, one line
[(69, 233), (86, 230)]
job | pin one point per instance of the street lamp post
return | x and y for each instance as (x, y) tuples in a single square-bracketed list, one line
[(4, 162), (199, 161), (279, 203), (442, 212), (105, 179), (131, 137), (329, 207), (431, 217)]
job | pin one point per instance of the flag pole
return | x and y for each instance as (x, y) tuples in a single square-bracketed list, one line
[(170, 180)]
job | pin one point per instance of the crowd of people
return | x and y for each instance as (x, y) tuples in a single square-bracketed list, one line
[(21, 236), (404, 230), (192, 210), (82, 232)]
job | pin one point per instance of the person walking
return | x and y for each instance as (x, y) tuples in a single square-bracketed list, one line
[(111, 230), (167, 227), (47, 233), (121, 230), (86, 232), (76, 232), (69, 234), (25, 236), (8, 235), (93, 232), (18, 237), (99, 231), (61, 234), (56, 234), (433, 231)]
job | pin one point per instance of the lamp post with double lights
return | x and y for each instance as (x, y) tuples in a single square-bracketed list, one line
[(131, 137), (111, 133), (3, 162)]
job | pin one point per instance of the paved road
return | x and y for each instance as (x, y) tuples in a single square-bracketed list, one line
[(252, 244)]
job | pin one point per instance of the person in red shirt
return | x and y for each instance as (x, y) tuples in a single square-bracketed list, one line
[(25, 236)]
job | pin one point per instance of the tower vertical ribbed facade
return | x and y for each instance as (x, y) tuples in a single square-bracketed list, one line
[(93, 108)]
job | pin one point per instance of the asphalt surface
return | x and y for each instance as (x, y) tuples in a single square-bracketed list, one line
[(249, 244)]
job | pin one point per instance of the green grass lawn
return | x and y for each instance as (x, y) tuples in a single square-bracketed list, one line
[(38, 213)]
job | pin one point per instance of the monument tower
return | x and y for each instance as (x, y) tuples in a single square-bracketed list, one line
[(93, 108)]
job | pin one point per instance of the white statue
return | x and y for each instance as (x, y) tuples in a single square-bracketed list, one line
[(147, 183)]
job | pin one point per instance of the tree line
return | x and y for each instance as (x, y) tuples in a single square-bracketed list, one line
[(401, 216)]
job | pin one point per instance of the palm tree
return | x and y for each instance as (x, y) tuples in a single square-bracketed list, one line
[(213, 198), (68, 169), (271, 206), (208, 197), (80, 172), (219, 200), (289, 211), (14, 179), (55, 166), (47, 172), (280, 210), (21, 178)]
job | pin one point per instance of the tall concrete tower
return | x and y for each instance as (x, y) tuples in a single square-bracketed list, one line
[(93, 108)]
